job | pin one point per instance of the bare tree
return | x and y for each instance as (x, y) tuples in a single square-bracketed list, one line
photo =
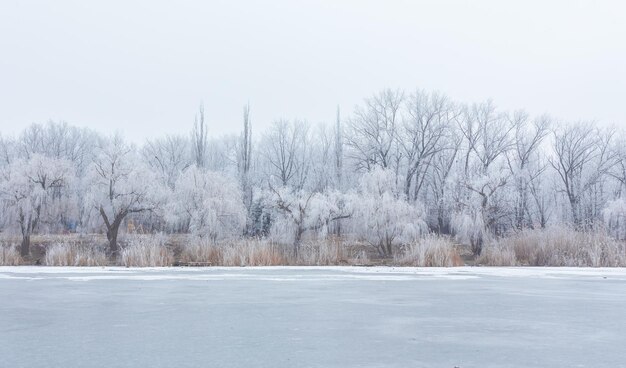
[(421, 137), (583, 156), (286, 148), (199, 138), (338, 150), (373, 129), (168, 156), (245, 150), (487, 138), (59, 140), (439, 178), (528, 138), (244, 159)]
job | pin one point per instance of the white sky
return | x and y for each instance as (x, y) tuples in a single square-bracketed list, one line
[(143, 67)]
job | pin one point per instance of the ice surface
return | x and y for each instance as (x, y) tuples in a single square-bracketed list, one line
[(312, 317)]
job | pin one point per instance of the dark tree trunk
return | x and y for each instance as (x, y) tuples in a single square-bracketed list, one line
[(25, 246), (112, 230), (112, 238), (385, 248), (476, 243)]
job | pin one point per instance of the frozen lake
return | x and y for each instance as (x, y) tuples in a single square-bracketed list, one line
[(312, 317)]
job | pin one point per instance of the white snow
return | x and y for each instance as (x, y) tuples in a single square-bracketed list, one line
[(272, 273)]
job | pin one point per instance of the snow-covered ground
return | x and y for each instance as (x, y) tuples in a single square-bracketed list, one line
[(312, 317)]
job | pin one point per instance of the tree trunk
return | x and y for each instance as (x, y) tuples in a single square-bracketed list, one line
[(112, 237), (575, 213), (407, 184), (476, 243), (296, 241), (25, 246), (112, 230), (338, 228)]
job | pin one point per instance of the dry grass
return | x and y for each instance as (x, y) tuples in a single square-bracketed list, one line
[(497, 255), (146, 251), (430, 251), (200, 251), (248, 252), (556, 247), (9, 255), (262, 252), (253, 253), (323, 253), (73, 254)]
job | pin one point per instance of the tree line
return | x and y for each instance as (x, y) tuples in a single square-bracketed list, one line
[(399, 166)]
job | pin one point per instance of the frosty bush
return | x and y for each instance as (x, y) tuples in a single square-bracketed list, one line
[(209, 204), (32, 189), (301, 211), (382, 217), (469, 228)]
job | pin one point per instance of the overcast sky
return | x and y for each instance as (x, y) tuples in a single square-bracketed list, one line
[(143, 67)]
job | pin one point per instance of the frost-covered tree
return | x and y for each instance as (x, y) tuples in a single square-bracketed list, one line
[(30, 187), (167, 156), (338, 143), (120, 184), (487, 137), (372, 131), (441, 185), (199, 138), (525, 165), (59, 140), (422, 135), (244, 164), (302, 211), (615, 218), (378, 174), (321, 173), (286, 147), (382, 216), (207, 204), (583, 157)]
